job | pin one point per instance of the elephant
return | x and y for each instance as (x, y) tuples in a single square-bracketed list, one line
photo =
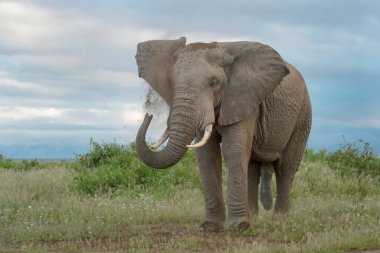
[(239, 100)]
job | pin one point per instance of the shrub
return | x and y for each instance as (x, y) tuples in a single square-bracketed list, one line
[(110, 167), (20, 165), (351, 159), (312, 156), (357, 158)]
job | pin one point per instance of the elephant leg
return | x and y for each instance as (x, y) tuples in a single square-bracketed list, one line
[(210, 166), (253, 186), (285, 169), (236, 146), (287, 165)]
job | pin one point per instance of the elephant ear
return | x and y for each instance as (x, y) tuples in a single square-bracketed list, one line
[(256, 71), (154, 59)]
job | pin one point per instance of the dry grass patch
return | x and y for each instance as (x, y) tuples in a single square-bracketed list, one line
[(40, 212)]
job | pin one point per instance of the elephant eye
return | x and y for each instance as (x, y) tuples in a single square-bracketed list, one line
[(213, 82)]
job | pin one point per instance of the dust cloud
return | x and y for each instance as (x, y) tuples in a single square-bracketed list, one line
[(155, 105)]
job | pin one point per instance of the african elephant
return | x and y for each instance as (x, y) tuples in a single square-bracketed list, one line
[(239, 99)]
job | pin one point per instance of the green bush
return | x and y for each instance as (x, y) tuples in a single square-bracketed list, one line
[(315, 156), (20, 165), (351, 159), (357, 158), (110, 167)]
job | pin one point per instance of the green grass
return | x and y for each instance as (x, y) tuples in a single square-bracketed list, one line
[(107, 201)]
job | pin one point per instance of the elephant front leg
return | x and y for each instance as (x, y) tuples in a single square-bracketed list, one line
[(210, 165), (237, 145)]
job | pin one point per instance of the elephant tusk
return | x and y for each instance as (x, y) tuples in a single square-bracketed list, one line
[(163, 138), (206, 136)]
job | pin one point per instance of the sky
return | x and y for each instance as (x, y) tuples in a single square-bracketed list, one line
[(68, 73)]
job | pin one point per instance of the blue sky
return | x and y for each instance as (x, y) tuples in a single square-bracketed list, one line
[(68, 72)]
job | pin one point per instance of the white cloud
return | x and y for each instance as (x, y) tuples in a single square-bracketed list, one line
[(28, 26), (21, 113), (31, 88), (123, 78), (127, 37), (209, 37), (8, 82), (129, 114), (56, 61), (24, 25)]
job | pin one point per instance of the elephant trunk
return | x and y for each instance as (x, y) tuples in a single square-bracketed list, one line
[(182, 129)]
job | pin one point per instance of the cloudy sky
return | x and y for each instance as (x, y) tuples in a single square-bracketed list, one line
[(68, 72)]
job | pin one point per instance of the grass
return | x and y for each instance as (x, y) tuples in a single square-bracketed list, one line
[(52, 209)]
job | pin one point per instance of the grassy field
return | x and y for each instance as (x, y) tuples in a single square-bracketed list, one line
[(107, 201)]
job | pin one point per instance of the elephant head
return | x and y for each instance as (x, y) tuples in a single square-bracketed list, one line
[(203, 84)]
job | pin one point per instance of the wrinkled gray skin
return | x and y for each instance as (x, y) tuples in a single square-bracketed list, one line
[(261, 115)]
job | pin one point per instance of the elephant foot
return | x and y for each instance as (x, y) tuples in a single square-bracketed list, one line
[(281, 211), (211, 227), (240, 225), (282, 208)]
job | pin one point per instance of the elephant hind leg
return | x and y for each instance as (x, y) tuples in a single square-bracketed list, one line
[(287, 165), (253, 186), (260, 172), (285, 169)]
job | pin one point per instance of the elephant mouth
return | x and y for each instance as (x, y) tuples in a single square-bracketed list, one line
[(205, 138), (202, 142)]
